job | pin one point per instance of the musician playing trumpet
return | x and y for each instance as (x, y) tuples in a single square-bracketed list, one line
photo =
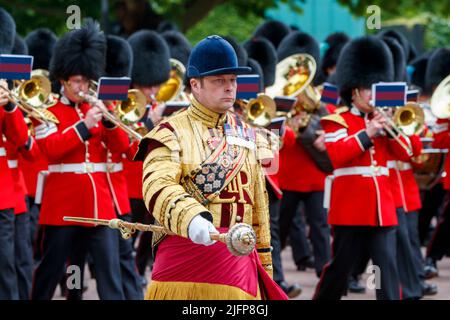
[(77, 182), (358, 194)]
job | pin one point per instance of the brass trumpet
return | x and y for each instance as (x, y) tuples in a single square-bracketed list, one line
[(410, 119), (240, 238), (34, 96)]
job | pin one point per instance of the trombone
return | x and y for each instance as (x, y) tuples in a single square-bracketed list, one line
[(394, 131), (33, 96), (410, 119), (126, 112)]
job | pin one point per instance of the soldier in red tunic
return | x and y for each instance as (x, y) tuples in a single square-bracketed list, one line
[(361, 205), (13, 127), (77, 182)]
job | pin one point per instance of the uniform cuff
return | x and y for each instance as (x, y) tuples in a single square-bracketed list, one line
[(108, 124), (29, 144), (364, 140), (149, 124), (9, 107), (82, 130)]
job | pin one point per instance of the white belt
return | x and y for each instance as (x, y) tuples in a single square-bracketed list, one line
[(12, 164), (2, 152), (368, 171), (114, 167), (399, 165), (85, 167)]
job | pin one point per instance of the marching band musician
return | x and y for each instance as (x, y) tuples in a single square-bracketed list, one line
[(22, 244), (150, 69), (361, 206), (202, 175), (40, 43), (77, 182), (439, 68), (23, 254), (13, 127), (304, 145), (262, 55), (119, 60)]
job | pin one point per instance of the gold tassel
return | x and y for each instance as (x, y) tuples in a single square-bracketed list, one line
[(196, 291)]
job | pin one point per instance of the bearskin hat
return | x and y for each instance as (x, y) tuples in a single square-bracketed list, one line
[(363, 61), (179, 46), (399, 37), (80, 52), (262, 50), (151, 54), (165, 25), (119, 57), (418, 71), (256, 69), (41, 43), (20, 47), (438, 68), (272, 30), (398, 58), (298, 42), (334, 44), (7, 32), (241, 53)]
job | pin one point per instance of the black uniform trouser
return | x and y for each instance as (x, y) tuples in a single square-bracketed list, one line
[(350, 242), (130, 283), (408, 274), (315, 216), (23, 255), (57, 245), (274, 212), (412, 219), (8, 277), (144, 247), (440, 241), (33, 209), (433, 201)]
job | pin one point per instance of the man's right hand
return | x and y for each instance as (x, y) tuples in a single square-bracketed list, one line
[(3, 93), (93, 116), (199, 231), (375, 125)]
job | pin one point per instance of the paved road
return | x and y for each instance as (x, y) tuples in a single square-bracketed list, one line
[(308, 281)]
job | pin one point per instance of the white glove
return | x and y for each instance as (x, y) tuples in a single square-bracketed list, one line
[(199, 229)]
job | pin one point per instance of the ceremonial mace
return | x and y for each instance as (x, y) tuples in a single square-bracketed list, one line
[(240, 238)]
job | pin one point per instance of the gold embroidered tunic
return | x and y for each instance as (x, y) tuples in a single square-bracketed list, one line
[(175, 150)]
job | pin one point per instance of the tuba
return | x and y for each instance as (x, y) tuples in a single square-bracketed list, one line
[(34, 96), (294, 75), (173, 88), (258, 111), (440, 100)]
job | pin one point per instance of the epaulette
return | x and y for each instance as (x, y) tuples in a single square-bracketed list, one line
[(164, 134), (341, 110), (336, 117)]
